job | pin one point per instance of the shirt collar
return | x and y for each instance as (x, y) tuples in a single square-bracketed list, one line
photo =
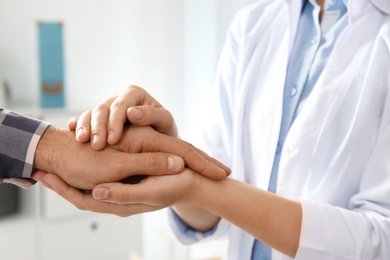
[(344, 1), (383, 5)]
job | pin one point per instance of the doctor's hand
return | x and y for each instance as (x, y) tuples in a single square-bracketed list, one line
[(104, 123), (152, 193)]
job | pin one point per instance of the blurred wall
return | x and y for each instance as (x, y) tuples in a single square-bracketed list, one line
[(169, 47), (108, 45)]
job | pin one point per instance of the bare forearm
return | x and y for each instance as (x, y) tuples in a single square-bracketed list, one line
[(272, 219), (52, 140)]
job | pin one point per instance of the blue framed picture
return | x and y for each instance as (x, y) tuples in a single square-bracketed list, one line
[(51, 64)]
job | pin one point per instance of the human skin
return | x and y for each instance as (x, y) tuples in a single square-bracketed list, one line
[(198, 200), (142, 150), (153, 151), (104, 124)]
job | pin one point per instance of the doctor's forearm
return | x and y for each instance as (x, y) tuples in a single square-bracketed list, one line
[(197, 218), (272, 219)]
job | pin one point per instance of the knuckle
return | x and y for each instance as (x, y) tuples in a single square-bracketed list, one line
[(123, 198), (155, 162), (115, 104), (133, 87), (100, 107), (189, 144), (192, 156), (97, 130), (189, 153), (84, 116)]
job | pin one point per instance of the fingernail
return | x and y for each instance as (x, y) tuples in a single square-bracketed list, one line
[(175, 163), (110, 135), (100, 193), (95, 138), (223, 172), (137, 113), (80, 131)]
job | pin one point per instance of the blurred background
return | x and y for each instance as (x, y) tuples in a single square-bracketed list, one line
[(169, 47)]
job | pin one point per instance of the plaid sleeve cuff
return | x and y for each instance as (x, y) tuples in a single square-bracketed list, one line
[(19, 137)]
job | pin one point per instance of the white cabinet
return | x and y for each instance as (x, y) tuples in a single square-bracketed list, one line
[(69, 233), (50, 230), (48, 227), (17, 241), (93, 237), (54, 206)]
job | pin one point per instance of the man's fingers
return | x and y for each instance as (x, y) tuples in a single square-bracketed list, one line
[(155, 163)]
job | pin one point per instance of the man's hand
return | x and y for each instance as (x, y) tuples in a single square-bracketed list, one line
[(83, 167), (141, 151)]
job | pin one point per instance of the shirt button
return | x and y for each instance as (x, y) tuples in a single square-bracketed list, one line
[(199, 235), (314, 40), (293, 150), (293, 92)]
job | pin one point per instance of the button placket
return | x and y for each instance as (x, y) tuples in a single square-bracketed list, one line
[(293, 91)]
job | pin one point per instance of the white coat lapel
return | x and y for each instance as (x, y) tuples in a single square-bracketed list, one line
[(383, 5)]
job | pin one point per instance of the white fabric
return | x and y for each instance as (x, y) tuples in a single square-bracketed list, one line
[(336, 158), (384, 5)]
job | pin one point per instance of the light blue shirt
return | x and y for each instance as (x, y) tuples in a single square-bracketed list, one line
[(312, 47)]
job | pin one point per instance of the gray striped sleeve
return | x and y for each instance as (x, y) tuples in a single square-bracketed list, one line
[(19, 137)]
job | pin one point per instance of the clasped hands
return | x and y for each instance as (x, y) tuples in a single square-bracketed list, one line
[(99, 153)]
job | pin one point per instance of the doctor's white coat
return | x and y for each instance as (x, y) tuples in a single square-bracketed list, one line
[(336, 157)]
